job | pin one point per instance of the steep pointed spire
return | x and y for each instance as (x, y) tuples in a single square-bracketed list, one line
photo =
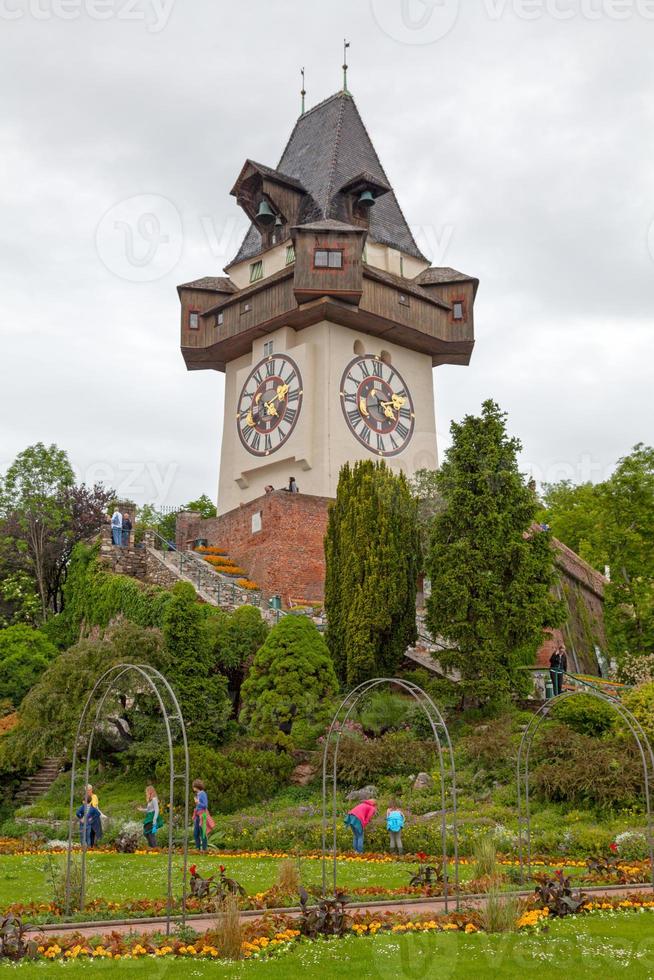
[(328, 148)]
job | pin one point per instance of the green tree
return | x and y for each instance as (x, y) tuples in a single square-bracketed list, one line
[(612, 524), (43, 514), (373, 558), (200, 689), (149, 518), (25, 655), (491, 572), (236, 637), (50, 711), (291, 679)]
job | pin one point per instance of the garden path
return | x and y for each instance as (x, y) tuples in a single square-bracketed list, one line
[(433, 906)]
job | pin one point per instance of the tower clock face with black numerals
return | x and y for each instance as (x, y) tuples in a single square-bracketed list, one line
[(377, 405), (269, 405)]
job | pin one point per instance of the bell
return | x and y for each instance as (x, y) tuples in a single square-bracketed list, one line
[(366, 199), (265, 214)]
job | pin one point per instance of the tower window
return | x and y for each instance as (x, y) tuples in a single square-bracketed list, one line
[(220, 319), (193, 320), (458, 310), (256, 271), (268, 348), (290, 254), (328, 258)]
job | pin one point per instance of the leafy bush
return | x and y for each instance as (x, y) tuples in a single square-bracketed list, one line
[(640, 702), (587, 715), (492, 746), (234, 777), (361, 761), (579, 769), (25, 654), (632, 846)]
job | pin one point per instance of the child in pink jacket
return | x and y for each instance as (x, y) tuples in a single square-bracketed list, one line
[(358, 819)]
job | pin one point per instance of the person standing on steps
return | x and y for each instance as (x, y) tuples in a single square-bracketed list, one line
[(563, 665), (555, 671), (117, 528), (126, 530), (358, 819)]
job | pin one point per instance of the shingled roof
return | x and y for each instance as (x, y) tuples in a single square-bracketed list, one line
[(328, 147), (212, 284)]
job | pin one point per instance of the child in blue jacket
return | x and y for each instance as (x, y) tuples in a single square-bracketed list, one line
[(394, 824)]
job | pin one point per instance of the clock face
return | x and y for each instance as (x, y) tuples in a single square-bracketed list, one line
[(269, 405), (377, 405)]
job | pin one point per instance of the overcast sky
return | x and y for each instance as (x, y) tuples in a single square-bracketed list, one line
[(519, 137)]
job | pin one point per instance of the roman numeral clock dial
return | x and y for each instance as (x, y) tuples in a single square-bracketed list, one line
[(377, 406), (269, 405)]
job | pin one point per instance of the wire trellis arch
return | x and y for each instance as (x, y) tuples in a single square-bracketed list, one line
[(522, 768), (447, 774), (160, 687)]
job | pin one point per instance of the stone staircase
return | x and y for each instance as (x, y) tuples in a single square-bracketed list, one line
[(40, 782), (212, 586)]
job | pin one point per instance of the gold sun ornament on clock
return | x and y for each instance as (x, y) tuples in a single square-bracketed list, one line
[(269, 404), (377, 405)]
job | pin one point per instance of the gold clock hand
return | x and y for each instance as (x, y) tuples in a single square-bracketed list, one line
[(270, 408), (363, 407)]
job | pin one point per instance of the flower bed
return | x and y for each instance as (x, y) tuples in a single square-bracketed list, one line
[(273, 935)]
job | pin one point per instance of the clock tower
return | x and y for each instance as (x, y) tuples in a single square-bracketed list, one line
[(327, 325)]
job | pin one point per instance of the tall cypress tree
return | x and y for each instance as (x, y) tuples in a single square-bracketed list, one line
[(372, 551), (491, 571)]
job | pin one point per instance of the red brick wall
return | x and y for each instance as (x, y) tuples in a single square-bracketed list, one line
[(286, 556)]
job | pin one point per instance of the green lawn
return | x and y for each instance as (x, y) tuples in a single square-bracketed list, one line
[(602, 946), (117, 877)]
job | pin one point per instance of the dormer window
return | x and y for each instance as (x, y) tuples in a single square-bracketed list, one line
[(220, 319), (256, 271), (458, 310), (328, 258), (193, 320), (290, 254)]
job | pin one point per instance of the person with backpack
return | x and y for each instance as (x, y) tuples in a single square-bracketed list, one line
[(394, 823), (358, 819)]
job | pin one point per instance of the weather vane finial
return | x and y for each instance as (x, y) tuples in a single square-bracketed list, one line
[(304, 91), (346, 45)]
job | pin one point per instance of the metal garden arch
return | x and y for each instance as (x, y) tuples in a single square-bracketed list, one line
[(522, 768), (447, 773), (171, 711)]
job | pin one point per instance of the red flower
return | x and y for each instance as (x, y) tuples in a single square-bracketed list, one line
[(421, 855), (193, 871), (614, 847), (222, 869)]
